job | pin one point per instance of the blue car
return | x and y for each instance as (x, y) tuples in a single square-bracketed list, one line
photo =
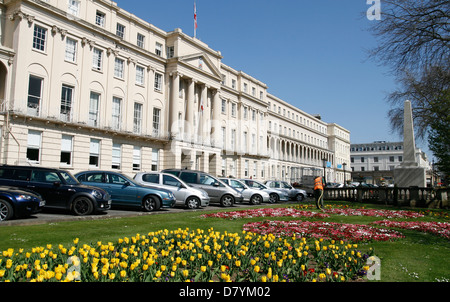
[(126, 192), (15, 203)]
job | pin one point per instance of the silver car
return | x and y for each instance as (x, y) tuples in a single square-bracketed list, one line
[(185, 194), (274, 195), (250, 195), (282, 186)]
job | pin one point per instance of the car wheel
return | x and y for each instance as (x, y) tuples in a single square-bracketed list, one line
[(299, 197), (227, 201), (256, 199), (151, 203), (273, 198), (6, 210), (192, 203), (82, 206)]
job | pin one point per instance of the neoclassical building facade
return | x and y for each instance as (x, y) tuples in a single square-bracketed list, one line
[(88, 85)]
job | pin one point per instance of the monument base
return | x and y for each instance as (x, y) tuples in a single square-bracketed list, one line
[(410, 177)]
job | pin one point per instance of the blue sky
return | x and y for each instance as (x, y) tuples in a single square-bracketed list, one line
[(311, 54)]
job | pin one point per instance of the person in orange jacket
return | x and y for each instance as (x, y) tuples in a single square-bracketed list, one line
[(319, 185)]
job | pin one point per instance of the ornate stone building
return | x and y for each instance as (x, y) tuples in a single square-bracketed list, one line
[(88, 85)]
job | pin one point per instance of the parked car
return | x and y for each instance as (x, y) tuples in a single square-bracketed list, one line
[(274, 195), (126, 192), (218, 191), (185, 194), (15, 203), (293, 193), (57, 187), (250, 195)]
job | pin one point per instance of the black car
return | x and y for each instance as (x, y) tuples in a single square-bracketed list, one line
[(57, 187), (15, 202)]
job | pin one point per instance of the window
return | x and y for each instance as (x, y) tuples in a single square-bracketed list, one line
[(206, 180), (44, 176), (137, 119), (74, 7), (71, 50), (158, 82), (391, 159), (116, 156), (120, 30), (93, 109), (34, 146), (245, 112), (97, 59), (233, 110), (171, 181), (118, 68), (66, 103), (94, 153), (116, 113), (171, 54), (233, 83), (66, 150), (100, 19), (140, 75), (140, 40), (224, 106), (158, 49), (224, 137), (155, 159), (156, 121), (245, 87), (152, 178), (39, 38), (34, 95), (136, 158)]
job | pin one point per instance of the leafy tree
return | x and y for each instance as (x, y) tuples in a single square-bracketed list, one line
[(414, 40)]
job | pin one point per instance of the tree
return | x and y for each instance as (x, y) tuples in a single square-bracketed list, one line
[(413, 34), (414, 40)]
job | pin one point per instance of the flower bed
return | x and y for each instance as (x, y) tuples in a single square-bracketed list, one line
[(266, 212), (320, 229), (437, 228), (374, 213), (185, 255)]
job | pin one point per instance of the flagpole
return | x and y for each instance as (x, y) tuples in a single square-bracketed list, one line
[(195, 20)]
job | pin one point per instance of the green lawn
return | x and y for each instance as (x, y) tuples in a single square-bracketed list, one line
[(418, 257)]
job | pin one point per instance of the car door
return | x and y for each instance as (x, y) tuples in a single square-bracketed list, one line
[(51, 187), (122, 191), (211, 186), (172, 184)]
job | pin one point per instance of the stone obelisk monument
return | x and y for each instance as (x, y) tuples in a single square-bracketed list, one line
[(408, 173)]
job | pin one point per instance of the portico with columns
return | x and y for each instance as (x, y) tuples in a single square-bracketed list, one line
[(193, 113)]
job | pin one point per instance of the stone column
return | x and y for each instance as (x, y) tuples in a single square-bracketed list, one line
[(173, 108), (217, 107), (189, 129)]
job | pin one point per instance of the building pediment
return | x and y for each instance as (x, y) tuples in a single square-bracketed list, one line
[(201, 62)]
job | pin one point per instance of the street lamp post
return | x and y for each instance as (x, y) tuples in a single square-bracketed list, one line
[(345, 181)]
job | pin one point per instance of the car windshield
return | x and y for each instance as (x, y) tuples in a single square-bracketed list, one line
[(70, 180)]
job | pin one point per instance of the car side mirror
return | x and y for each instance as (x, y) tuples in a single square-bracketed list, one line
[(57, 183), (216, 184)]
